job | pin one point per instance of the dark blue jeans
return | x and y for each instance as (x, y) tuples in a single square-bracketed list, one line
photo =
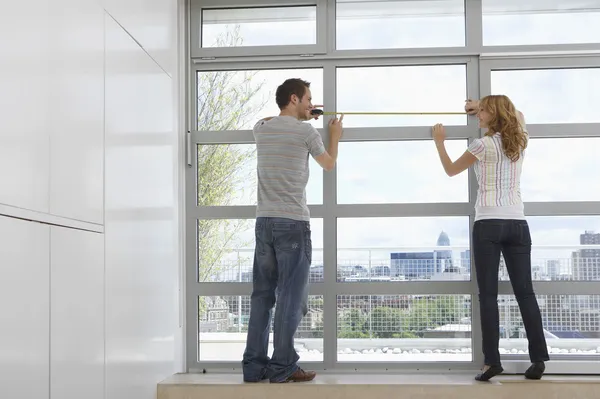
[(513, 239), (281, 269)]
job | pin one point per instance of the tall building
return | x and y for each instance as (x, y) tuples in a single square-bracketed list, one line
[(553, 269), (586, 262), (445, 256), (422, 265), (443, 240), (465, 261)]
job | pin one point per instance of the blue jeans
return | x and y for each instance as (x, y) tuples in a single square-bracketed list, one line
[(511, 238), (282, 259)]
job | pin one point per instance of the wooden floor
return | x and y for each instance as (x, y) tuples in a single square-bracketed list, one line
[(376, 386)]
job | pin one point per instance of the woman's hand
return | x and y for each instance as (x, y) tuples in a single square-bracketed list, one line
[(472, 107), (438, 133)]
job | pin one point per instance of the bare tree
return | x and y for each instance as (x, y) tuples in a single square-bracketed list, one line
[(227, 100)]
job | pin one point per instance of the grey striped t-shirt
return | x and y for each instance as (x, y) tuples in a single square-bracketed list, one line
[(283, 145)]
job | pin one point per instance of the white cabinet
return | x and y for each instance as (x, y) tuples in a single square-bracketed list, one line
[(76, 110), (25, 309), (24, 88), (77, 314), (52, 101)]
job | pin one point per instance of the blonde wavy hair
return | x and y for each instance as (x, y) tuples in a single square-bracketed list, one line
[(505, 120)]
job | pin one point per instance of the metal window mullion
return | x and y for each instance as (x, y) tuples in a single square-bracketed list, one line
[(191, 267), (341, 210), (237, 289), (363, 60), (391, 133), (400, 210), (223, 53), (397, 133), (548, 61), (555, 287), (473, 92), (253, 3), (329, 234), (261, 64), (419, 56), (563, 130), (575, 54), (195, 20), (331, 26), (474, 25), (403, 288), (322, 27), (239, 212), (566, 208)]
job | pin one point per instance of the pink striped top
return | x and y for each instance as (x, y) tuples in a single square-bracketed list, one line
[(499, 178)]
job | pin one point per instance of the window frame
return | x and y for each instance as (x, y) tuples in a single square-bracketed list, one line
[(480, 62), (196, 7)]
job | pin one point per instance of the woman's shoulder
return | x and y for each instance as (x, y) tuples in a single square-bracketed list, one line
[(489, 139)]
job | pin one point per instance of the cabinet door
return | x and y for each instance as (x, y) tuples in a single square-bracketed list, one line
[(25, 309), (76, 314)]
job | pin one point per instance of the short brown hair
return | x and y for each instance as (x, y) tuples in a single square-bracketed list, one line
[(286, 89)]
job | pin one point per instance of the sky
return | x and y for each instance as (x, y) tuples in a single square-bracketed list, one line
[(410, 172)]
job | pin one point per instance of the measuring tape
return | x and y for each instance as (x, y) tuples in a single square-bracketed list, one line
[(317, 111)]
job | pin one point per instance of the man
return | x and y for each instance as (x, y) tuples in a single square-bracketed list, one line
[(283, 249)]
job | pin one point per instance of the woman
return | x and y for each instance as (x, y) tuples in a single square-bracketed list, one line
[(500, 225)]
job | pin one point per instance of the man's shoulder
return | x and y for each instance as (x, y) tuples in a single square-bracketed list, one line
[(287, 125)]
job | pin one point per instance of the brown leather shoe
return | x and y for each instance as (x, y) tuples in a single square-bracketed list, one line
[(301, 376)]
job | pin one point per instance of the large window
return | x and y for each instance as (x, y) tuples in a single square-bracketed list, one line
[(561, 251), (403, 249), (225, 250), (237, 99), (404, 328), (411, 89), (552, 95), (392, 279), (526, 22), (397, 172), (399, 24), (238, 27), (572, 178)]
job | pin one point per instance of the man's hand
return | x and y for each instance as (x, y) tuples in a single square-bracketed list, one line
[(336, 128), (438, 133), (315, 106), (472, 107)]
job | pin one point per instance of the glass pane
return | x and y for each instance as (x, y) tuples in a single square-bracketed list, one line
[(399, 24), (269, 26), (226, 249), (236, 100), (571, 325), (403, 249), (387, 173), (517, 22), (223, 325), (574, 178), (227, 176), (552, 95), (404, 328), (440, 88), (564, 248)]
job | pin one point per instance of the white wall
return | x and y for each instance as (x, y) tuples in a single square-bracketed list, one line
[(89, 198), (140, 219)]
